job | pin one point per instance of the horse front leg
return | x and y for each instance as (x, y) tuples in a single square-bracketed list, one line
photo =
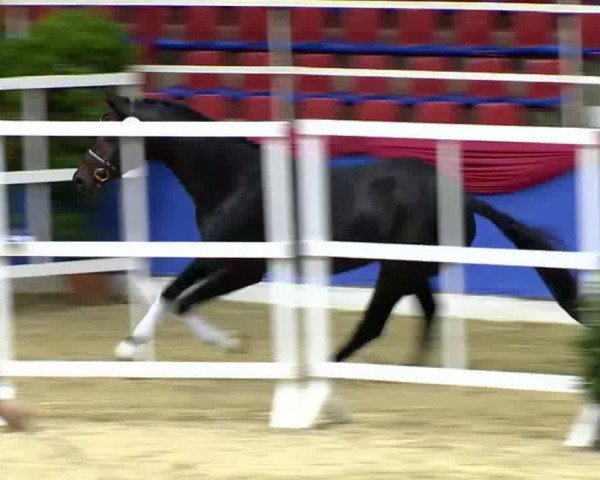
[(136, 345)]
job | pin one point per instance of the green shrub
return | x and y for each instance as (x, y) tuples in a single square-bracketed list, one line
[(68, 41)]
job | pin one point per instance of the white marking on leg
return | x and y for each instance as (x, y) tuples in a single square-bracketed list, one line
[(203, 328), (148, 325)]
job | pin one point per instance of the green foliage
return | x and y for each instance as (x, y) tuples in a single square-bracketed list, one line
[(589, 345), (68, 41)]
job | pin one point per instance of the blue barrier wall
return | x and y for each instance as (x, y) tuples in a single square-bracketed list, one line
[(550, 205)]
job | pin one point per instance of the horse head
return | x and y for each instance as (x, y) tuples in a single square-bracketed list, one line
[(101, 163)]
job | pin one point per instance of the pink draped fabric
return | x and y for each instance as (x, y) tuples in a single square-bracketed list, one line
[(488, 167)]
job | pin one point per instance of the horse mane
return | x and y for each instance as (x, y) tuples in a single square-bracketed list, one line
[(187, 113)]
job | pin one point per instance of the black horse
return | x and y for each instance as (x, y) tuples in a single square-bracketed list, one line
[(392, 201)]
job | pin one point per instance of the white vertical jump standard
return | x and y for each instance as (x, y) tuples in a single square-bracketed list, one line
[(288, 410)]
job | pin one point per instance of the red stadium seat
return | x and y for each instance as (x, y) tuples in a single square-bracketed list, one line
[(213, 106), (255, 83), (542, 66), (475, 27), (428, 87), (371, 85), (149, 22), (201, 24), (39, 13), (438, 112), (308, 24), (322, 108), (203, 81), (590, 30), (257, 109), (377, 110), (314, 83), (417, 27), (252, 24), (361, 25), (532, 28), (498, 114), (483, 89)]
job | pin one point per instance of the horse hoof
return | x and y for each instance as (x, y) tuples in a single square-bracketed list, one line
[(131, 349), (236, 342)]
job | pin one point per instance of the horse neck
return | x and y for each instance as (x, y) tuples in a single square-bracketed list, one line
[(208, 168)]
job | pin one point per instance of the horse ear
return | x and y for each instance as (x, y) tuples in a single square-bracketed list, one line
[(120, 106)]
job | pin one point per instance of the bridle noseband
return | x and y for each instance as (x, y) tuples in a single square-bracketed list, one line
[(102, 173)]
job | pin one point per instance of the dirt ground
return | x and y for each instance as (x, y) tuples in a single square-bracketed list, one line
[(204, 429)]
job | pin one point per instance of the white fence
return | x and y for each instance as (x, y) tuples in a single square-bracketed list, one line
[(316, 246)]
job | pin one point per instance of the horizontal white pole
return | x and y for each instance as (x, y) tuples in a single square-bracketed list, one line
[(371, 251), (37, 176), (458, 132), (50, 269), (373, 73), (52, 175), (101, 369), (346, 128), (44, 82), (537, 382), (389, 4), (148, 249), (17, 128), (456, 255)]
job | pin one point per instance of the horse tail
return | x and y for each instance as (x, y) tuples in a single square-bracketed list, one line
[(560, 282)]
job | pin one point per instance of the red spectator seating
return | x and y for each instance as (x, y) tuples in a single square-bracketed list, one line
[(542, 66), (201, 24), (590, 30), (308, 24), (39, 13), (257, 109), (203, 81), (377, 110), (252, 24), (438, 112), (428, 87), (361, 25), (314, 83), (213, 106), (475, 27), (483, 89), (371, 85), (532, 28), (149, 22), (255, 83), (322, 108), (417, 27), (498, 114)]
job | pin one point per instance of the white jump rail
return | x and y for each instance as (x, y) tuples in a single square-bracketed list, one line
[(372, 73), (389, 5)]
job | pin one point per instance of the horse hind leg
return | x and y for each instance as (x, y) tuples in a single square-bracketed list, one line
[(428, 305), (391, 286)]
